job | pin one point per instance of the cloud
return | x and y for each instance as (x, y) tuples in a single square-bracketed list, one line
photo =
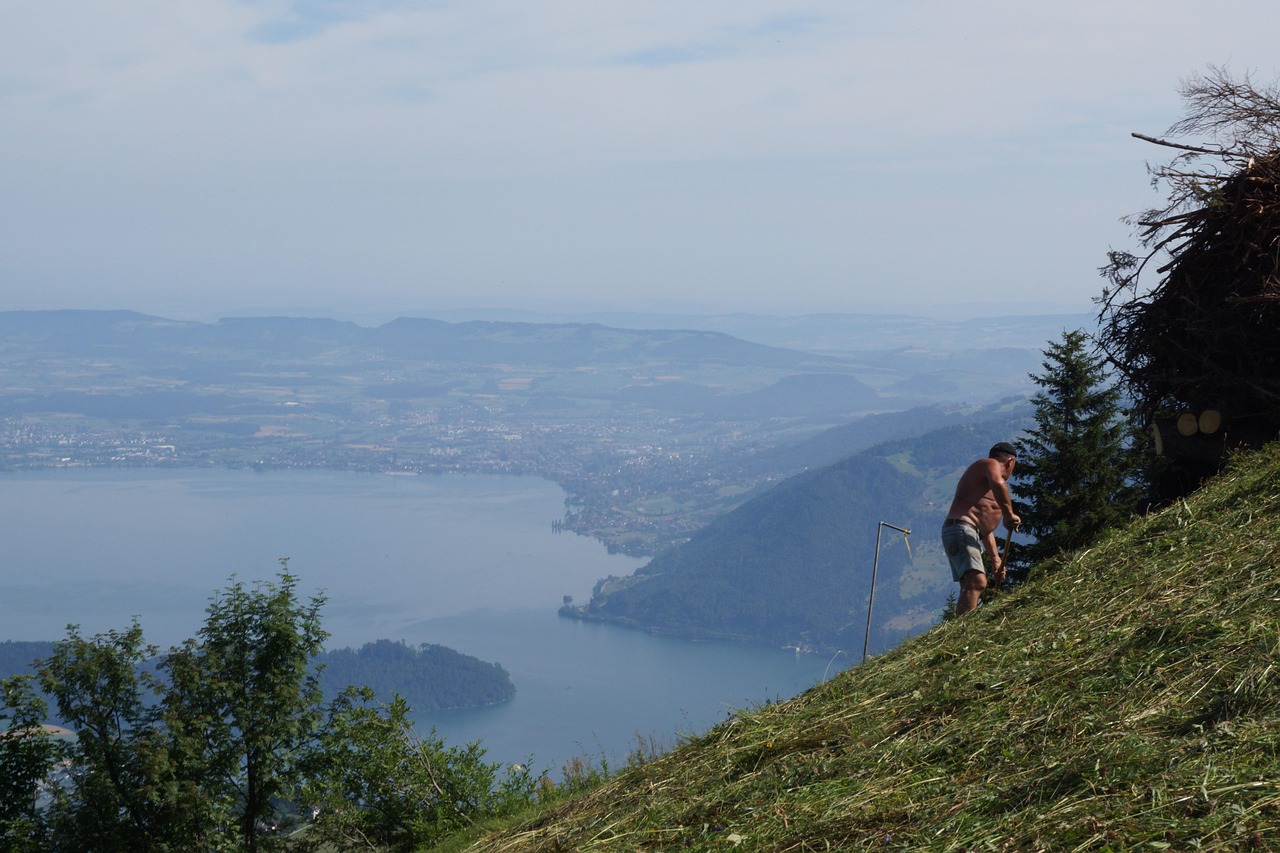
[(751, 152)]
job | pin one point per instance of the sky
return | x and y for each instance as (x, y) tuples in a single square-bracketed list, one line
[(365, 159)]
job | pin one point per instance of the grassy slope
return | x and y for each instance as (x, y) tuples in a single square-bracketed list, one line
[(1128, 699)]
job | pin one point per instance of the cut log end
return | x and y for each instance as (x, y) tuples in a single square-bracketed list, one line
[(1210, 421)]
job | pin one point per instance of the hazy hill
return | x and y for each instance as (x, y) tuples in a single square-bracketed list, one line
[(792, 566), (867, 431), (817, 395), (129, 334), (1127, 698), (977, 326), (802, 396)]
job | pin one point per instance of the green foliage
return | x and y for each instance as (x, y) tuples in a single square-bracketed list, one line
[(373, 782), (949, 609), (428, 676), (244, 702), (1075, 471), (118, 796), (27, 757), (220, 747), (203, 757)]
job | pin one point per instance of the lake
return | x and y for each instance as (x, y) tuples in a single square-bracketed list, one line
[(468, 562)]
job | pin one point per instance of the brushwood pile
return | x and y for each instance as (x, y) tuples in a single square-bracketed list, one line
[(1205, 337)]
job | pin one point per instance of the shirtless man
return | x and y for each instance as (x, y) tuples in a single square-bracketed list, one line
[(982, 500)]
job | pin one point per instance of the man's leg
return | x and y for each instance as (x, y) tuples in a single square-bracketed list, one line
[(971, 586)]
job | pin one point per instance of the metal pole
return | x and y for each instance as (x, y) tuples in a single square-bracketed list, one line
[(875, 567)]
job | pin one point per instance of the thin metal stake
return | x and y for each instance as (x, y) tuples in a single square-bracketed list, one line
[(875, 567)]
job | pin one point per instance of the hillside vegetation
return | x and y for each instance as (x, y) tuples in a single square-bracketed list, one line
[(1128, 697)]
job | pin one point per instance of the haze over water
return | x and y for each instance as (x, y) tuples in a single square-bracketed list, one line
[(468, 562)]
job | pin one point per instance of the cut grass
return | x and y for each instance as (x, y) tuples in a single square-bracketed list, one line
[(1128, 697)]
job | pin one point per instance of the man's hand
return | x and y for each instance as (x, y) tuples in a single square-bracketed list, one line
[(1012, 522)]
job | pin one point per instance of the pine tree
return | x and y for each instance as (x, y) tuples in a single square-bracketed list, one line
[(1075, 474)]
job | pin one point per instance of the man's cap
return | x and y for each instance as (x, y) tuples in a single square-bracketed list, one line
[(1003, 448)]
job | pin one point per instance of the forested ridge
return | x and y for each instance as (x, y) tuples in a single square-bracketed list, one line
[(428, 676)]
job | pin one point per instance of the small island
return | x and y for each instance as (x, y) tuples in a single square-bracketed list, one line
[(429, 677)]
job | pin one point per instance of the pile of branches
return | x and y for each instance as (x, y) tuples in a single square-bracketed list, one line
[(1206, 335)]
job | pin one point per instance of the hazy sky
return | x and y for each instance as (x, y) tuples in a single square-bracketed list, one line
[(363, 158)]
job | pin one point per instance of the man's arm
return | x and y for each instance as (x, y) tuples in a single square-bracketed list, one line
[(997, 559), (1000, 491)]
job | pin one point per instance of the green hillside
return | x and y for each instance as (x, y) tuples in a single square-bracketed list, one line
[(792, 566), (1127, 698)]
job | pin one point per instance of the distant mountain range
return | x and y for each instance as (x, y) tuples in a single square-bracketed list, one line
[(121, 364), (125, 333), (905, 360), (832, 333)]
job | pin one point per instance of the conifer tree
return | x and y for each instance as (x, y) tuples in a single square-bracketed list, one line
[(1075, 474)]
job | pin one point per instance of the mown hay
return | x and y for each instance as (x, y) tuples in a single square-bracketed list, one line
[(1127, 698)]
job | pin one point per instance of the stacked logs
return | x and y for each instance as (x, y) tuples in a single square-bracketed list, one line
[(1190, 436)]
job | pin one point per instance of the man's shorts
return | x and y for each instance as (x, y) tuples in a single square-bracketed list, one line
[(964, 549)]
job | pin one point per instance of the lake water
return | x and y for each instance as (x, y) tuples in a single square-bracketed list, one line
[(468, 562)]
